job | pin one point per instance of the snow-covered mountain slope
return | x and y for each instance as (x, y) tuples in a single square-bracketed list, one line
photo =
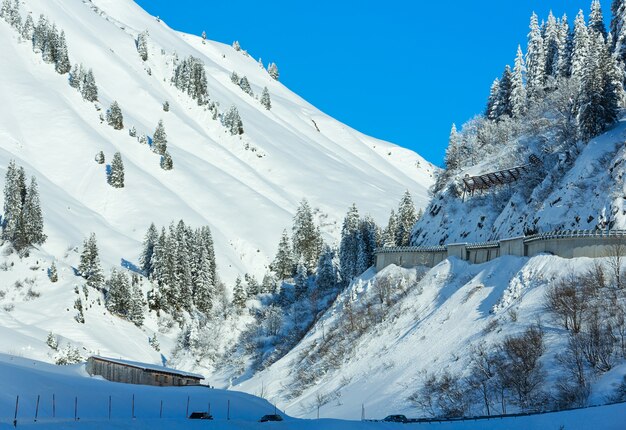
[(585, 192), (374, 346), (246, 196)]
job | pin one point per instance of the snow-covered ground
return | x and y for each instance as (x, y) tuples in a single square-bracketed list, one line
[(437, 317)]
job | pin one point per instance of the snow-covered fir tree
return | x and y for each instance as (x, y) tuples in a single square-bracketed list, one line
[(272, 69), (117, 297), (618, 29), (40, 33), (137, 306), (236, 45), (76, 76), (28, 28), (114, 116), (239, 295), (265, 99), (61, 58), (305, 236), (580, 47), (452, 160), (116, 175), (22, 221), (232, 121), (166, 162), (145, 259), (283, 264), (89, 266), (53, 274), (367, 244), (190, 77), (565, 46), (88, 87), (301, 279), (596, 20), (252, 286), (99, 158), (32, 217), (551, 45), (142, 45), (518, 91), (166, 106), (406, 219), (234, 78), (503, 105), (389, 235), (491, 111), (245, 86), (349, 245), (159, 139), (203, 37), (535, 61), (326, 277)]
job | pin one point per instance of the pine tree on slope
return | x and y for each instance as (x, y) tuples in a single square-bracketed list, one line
[(518, 92), (265, 99), (596, 20), (149, 242), (580, 47), (535, 61), (159, 140), (326, 275), (406, 220), (89, 266), (348, 247), (116, 176), (114, 116), (283, 263), (306, 238)]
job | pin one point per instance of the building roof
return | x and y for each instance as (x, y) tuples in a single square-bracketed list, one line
[(148, 367)]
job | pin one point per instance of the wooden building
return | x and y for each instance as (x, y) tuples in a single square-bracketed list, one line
[(132, 372)]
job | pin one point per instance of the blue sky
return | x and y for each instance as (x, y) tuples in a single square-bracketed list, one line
[(398, 70)]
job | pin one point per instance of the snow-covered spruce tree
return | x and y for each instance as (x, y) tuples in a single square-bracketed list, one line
[(580, 47), (53, 275), (183, 260), (166, 106), (618, 29), (452, 152), (283, 264), (114, 116), (117, 297), (149, 242), (492, 101), (503, 106), (269, 284), (203, 37), (28, 28), (367, 237), (132, 132), (80, 316), (166, 162), (551, 45), (116, 175), (272, 69), (236, 45), (190, 77), (154, 342), (99, 158), (76, 76), (52, 341), (301, 280), (406, 219), (48, 53), (305, 237), (203, 283), (349, 245), (142, 45), (88, 87), (40, 33), (137, 305), (265, 99), (252, 286), (234, 78), (600, 91), (565, 46), (245, 86), (232, 121), (596, 20), (389, 235), (159, 139), (14, 196), (32, 218), (535, 61), (518, 92), (5, 10), (239, 295), (89, 266), (326, 275), (61, 59)]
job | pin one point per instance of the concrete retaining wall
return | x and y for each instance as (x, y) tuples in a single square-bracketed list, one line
[(569, 244)]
